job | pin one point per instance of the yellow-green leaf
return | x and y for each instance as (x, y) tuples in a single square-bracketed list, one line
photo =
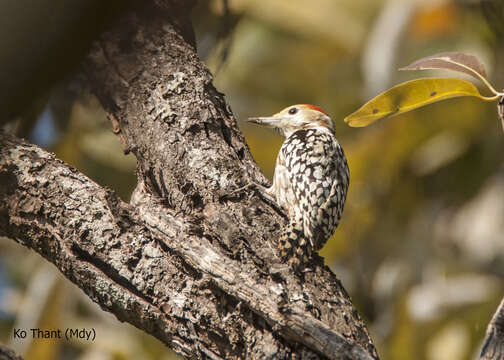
[(410, 95)]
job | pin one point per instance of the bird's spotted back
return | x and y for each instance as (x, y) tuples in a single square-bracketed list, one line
[(318, 174)]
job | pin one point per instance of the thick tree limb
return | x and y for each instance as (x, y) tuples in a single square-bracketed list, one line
[(8, 354), (151, 268), (181, 263), (493, 346)]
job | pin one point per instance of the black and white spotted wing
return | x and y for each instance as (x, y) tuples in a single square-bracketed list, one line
[(318, 172)]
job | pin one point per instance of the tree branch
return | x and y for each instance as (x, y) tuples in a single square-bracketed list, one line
[(493, 346), (8, 354), (180, 263)]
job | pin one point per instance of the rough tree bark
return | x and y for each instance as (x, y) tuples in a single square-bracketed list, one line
[(183, 262), (493, 345), (8, 354)]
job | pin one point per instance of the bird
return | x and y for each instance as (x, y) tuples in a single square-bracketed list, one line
[(310, 180)]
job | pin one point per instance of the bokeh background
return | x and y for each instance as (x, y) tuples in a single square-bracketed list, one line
[(420, 247)]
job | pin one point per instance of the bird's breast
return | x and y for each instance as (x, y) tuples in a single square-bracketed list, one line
[(282, 187)]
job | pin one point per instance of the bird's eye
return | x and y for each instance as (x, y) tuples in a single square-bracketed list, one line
[(293, 110)]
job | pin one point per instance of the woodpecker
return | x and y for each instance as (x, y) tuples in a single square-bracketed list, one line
[(310, 181)]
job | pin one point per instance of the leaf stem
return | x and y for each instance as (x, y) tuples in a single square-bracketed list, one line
[(487, 83), (482, 78), (492, 98)]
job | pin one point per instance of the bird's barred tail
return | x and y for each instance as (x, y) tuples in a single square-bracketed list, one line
[(295, 246)]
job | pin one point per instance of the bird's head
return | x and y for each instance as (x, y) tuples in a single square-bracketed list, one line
[(297, 117)]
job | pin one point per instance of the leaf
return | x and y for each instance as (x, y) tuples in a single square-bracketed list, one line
[(408, 96), (464, 63)]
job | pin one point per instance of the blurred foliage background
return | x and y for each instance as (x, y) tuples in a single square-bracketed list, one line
[(420, 247)]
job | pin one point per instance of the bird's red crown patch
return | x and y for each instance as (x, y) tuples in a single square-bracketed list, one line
[(315, 108)]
